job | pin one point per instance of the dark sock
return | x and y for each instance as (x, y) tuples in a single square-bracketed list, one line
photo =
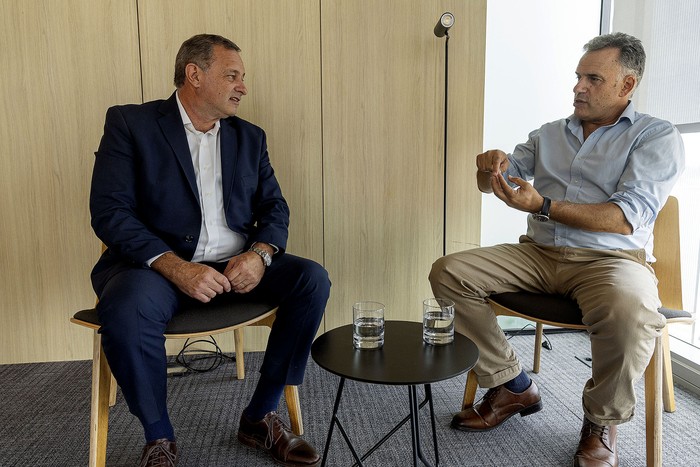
[(160, 429), (265, 399), (519, 383)]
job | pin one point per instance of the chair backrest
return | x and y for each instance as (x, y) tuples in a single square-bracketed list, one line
[(667, 251)]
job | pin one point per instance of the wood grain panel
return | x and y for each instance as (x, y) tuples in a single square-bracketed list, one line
[(383, 85), (67, 62), (280, 44), (375, 182)]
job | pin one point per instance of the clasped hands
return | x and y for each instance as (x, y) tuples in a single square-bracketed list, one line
[(523, 198), (203, 283)]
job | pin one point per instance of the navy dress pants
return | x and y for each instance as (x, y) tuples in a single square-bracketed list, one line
[(135, 305)]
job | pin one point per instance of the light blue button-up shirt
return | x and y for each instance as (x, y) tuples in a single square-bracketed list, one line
[(633, 163)]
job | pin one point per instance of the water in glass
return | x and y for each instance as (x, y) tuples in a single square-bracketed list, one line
[(438, 321), (368, 332)]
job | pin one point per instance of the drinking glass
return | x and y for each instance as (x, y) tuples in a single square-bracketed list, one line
[(368, 325), (438, 321)]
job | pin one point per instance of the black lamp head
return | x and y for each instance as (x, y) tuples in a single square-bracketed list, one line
[(446, 21)]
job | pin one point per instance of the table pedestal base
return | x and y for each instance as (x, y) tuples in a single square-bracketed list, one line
[(412, 417)]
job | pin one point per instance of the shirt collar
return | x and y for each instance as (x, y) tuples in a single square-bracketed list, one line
[(629, 113), (189, 126)]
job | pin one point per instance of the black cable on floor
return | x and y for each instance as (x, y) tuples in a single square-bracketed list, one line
[(547, 344), (202, 360)]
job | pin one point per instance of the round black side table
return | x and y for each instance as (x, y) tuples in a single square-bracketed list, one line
[(403, 360)]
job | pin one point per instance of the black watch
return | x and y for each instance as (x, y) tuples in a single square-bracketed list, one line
[(543, 215)]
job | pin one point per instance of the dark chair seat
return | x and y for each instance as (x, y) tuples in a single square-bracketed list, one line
[(557, 308), (200, 318)]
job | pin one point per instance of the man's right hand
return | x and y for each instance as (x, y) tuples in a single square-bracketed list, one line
[(489, 165), (196, 280), (493, 161)]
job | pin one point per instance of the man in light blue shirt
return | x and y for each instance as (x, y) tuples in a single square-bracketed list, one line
[(599, 179), (574, 169)]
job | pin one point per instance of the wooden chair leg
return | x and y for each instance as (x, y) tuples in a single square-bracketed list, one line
[(653, 405), (99, 404), (291, 395), (469, 390), (539, 330), (268, 321), (669, 397), (112, 390), (238, 343)]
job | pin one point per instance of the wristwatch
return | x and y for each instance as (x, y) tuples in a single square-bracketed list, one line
[(266, 258), (543, 215)]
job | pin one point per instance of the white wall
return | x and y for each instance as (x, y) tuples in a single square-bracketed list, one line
[(532, 49)]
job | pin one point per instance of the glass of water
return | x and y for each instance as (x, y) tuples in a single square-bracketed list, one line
[(438, 321), (368, 325)]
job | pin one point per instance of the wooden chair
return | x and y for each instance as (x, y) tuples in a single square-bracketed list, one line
[(193, 321), (556, 310)]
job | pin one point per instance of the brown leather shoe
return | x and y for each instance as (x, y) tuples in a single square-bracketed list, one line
[(497, 406), (159, 453), (273, 435), (598, 446)]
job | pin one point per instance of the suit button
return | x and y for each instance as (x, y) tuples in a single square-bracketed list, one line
[(189, 238)]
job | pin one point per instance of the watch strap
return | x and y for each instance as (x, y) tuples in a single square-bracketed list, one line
[(543, 214), (264, 255)]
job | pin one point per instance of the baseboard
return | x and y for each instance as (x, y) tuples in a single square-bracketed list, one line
[(685, 360), (530, 331)]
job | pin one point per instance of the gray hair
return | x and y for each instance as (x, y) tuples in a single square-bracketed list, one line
[(198, 50), (632, 56)]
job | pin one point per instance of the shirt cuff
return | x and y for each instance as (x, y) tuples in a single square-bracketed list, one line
[(150, 261)]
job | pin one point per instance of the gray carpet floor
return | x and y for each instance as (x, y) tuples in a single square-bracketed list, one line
[(44, 414)]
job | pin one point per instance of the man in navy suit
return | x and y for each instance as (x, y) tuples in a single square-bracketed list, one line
[(186, 201)]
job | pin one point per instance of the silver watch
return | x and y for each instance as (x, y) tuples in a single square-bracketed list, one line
[(266, 258)]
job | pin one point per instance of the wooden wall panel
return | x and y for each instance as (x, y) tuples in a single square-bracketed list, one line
[(349, 92), (280, 44), (66, 63), (467, 69), (383, 85)]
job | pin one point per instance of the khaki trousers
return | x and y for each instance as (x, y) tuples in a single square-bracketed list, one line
[(616, 291)]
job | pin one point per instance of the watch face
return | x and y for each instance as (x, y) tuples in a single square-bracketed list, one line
[(540, 217)]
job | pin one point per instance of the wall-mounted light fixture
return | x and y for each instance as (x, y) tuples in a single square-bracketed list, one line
[(441, 29)]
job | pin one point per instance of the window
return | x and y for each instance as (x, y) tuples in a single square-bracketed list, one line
[(688, 192), (671, 90)]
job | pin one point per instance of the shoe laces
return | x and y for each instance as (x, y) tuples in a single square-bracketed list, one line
[(593, 429), (490, 394), (155, 454), (274, 425), (487, 397)]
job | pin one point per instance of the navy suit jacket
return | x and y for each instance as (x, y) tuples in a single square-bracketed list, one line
[(144, 199)]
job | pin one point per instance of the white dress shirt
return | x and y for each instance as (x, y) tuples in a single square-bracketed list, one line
[(217, 242)]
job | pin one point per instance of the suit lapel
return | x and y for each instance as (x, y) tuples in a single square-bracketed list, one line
[(229, 158), (171, 125)]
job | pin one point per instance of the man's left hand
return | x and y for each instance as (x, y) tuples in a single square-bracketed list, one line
[(244, 271), (524, 198)]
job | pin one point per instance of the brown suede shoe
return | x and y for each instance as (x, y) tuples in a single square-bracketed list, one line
[(159, 453), (497, 406), (598, 446), (273, 435)]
